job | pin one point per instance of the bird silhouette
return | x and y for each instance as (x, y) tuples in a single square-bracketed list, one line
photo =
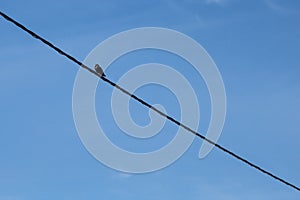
[(99, 70)]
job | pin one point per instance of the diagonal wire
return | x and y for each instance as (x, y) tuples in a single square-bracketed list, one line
[(33, 34)]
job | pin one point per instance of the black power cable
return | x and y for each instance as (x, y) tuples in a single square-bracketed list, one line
[(146, 104)]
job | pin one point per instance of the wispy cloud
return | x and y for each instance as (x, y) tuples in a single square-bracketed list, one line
[(121, 176), (274, 6), (125, 175), (193, 18), (219, 2), (278, 7)]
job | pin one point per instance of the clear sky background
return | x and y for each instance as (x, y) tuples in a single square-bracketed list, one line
[(255, 45)]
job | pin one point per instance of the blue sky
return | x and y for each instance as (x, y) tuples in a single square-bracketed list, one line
[(255, 45)]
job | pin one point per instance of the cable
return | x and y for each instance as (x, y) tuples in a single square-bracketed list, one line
[(147, 104)]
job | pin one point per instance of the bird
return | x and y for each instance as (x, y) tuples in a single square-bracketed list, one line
[(99, 70)]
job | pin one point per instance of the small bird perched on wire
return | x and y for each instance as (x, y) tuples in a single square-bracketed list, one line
[(99, 70)]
